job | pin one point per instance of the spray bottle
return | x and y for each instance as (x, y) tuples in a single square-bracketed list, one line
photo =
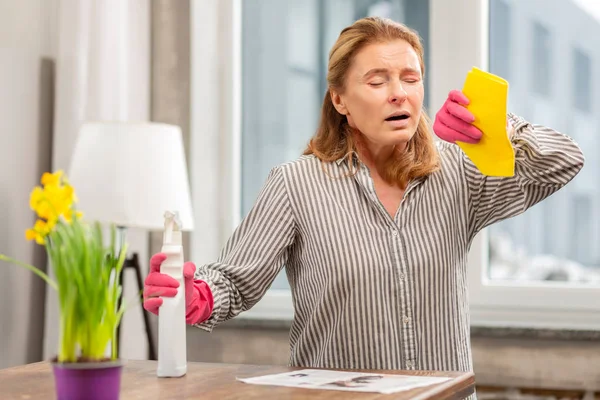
[(172, 361)]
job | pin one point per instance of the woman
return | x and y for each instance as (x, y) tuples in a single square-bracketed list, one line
[(374, 222)]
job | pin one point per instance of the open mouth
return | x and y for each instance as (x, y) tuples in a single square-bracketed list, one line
[(397, 117)]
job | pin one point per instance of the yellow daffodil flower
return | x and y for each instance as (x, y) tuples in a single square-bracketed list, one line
[(51, 202), (54, 179), (38, 232)]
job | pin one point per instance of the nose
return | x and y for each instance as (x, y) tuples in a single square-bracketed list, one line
[(398, 94)]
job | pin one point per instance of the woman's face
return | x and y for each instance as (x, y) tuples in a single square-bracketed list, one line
[(383, 94)]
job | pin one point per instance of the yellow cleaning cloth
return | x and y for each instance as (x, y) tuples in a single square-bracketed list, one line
[(494, 154)]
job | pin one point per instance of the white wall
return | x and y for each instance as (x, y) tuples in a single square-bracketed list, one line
[(31, 108), (27, 50)]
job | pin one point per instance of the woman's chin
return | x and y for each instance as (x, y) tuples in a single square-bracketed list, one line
[(401, 136)]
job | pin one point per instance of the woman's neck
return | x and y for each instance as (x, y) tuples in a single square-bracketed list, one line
[(375, 156)]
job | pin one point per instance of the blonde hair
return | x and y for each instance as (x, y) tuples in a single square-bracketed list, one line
[(334, 138)]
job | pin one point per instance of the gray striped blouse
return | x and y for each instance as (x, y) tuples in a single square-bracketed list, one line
[(371, 291)]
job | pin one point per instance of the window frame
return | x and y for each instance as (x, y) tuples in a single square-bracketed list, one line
[(492, 303)]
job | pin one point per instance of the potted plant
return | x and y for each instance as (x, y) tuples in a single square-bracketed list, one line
[(87, 269)]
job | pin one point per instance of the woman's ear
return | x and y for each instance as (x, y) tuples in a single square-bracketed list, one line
[(338, 102)]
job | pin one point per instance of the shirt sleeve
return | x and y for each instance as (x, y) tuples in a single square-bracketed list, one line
[(253, 255), (545, 161)]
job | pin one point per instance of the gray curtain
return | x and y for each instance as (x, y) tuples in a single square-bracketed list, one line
[(26, 105)]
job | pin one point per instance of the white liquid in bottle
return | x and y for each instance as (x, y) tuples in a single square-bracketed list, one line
[(172, 358)]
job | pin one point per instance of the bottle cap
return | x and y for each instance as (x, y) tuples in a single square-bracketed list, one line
[(172, 224)]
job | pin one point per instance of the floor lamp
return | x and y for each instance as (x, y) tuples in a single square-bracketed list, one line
[(133, 263), (129, 174)]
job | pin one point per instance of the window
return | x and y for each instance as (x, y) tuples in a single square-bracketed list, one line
[(273, 101), (582, 221), (544, 244), (582, 81), (500, 37), (541, 58), (285, 47), (541, 268)]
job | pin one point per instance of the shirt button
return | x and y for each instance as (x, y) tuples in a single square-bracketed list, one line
[(406, 319), (410, 364), (395, 233), (402, 277)]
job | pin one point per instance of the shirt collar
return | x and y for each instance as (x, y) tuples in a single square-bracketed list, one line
[(354, 158)]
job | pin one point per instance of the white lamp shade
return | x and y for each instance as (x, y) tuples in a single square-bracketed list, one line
[(129, 174)]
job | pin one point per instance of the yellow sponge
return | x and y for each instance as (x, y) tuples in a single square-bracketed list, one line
[(487, 93)]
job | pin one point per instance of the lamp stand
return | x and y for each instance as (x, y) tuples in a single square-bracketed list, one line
[(134, 263)]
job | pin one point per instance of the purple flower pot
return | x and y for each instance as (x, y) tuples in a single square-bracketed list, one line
[(88, 380)]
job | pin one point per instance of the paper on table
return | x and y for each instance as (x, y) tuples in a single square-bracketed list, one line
[(346, 381), (487, 93)]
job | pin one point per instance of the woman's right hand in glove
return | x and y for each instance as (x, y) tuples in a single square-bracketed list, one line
[(198, 296)]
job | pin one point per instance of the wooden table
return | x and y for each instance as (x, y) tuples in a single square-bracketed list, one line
[(218, 381)]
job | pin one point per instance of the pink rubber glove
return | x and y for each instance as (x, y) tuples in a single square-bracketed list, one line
[(453, 122), (198, 296)]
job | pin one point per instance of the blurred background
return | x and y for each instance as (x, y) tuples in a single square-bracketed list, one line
[(244, 81)]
